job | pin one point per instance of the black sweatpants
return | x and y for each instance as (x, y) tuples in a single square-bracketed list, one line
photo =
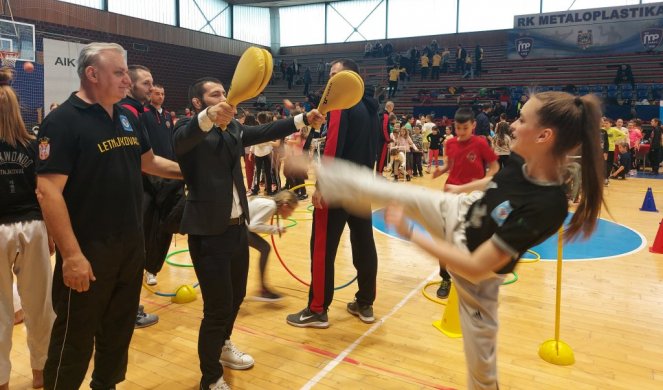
[(159, 198), (654, 157), (435, 73), (417, 167), (221, 263), (263, 167), (393, 88), (328, 225), (424, 73), (101, 318), (608, 163)]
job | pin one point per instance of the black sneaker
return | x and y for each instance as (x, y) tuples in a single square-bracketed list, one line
[(268, 296), (308, 319), (365, 313), (443, 291)]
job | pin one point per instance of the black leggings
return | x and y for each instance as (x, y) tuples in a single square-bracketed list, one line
[(261, 245)]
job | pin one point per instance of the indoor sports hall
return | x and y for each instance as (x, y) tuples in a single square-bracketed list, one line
[(573, 314)]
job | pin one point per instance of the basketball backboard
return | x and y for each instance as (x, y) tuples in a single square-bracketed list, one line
[(18, 37)]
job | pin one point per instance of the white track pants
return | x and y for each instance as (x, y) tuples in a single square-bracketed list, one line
[(24, 253)]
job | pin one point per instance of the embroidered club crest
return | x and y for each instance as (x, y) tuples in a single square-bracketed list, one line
[(524, 46), (168, 124), (44, 148), (125, 123), (501, 212), (472, 157)]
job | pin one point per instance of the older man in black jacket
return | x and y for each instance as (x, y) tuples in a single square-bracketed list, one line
[(215, 214)]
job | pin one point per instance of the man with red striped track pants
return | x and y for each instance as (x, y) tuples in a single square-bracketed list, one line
[(351, 135)]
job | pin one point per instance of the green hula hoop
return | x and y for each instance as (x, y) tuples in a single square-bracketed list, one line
[(174, 264), (511, 281)]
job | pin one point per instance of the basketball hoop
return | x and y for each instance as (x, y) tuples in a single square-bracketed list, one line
[(8, 58)]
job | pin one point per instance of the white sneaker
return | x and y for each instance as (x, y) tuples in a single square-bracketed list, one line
[(150, 279), (232, 357), (219, 385)]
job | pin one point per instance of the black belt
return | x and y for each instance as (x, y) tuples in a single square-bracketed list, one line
[(237, 221)]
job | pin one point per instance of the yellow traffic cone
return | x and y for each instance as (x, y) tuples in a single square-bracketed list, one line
[(450, 322)]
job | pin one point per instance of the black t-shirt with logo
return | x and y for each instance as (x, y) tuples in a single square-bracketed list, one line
[(102, 158), (18, 202), (160, 130), (515, 213)]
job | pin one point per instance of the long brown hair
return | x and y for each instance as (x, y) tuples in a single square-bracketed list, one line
[(577, 122), (12, 127)]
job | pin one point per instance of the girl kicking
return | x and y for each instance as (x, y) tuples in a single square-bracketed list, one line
[(485, 226)]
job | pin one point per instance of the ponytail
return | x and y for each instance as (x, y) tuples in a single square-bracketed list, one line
[(12, 127), (577, 122), (592, 168)]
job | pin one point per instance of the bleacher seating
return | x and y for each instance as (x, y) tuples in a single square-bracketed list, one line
[(587, 74)]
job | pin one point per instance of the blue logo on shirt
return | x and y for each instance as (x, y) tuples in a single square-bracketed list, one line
[(125, 123), (501, 212)]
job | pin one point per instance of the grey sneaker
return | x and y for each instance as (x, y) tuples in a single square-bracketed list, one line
[(143, 320), (308, 319), (268, 296), (365, 313)]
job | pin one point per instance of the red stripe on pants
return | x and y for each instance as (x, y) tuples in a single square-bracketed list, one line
[(319, 264), (383, 158)]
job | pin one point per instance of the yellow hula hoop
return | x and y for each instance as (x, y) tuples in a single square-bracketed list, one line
[(307, 208), (510, 281), (537, 257), (430, 298)]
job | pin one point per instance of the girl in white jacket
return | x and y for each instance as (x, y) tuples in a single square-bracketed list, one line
[(261, 210)]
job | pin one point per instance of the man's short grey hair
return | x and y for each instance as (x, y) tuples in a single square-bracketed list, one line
[(90, 55)]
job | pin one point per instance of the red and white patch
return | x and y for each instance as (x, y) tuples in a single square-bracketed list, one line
[(471, 156), (44, 148)]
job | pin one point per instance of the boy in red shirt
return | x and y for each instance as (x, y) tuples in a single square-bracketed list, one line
[(467, 158)]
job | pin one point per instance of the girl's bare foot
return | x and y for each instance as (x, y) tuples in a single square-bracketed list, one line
[(37, 379), (19, 316)]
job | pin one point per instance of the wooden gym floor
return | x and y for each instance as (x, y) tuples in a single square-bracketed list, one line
[(612, 311)]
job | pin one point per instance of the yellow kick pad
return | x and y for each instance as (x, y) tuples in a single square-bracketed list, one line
[(248, 77), (344, 90)]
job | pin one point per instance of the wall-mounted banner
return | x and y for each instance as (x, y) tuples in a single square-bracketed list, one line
[(60, 70), (597, 31)]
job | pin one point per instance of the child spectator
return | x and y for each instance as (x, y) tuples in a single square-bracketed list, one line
[(624, 164), (262, 154), (634, 138), (434, 145), (262, 210), (604, 147), (448, 134), (426, 128), (403, 143), (417, 154), (295, 175), (615, 136), (502, 143), (465, 158)]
